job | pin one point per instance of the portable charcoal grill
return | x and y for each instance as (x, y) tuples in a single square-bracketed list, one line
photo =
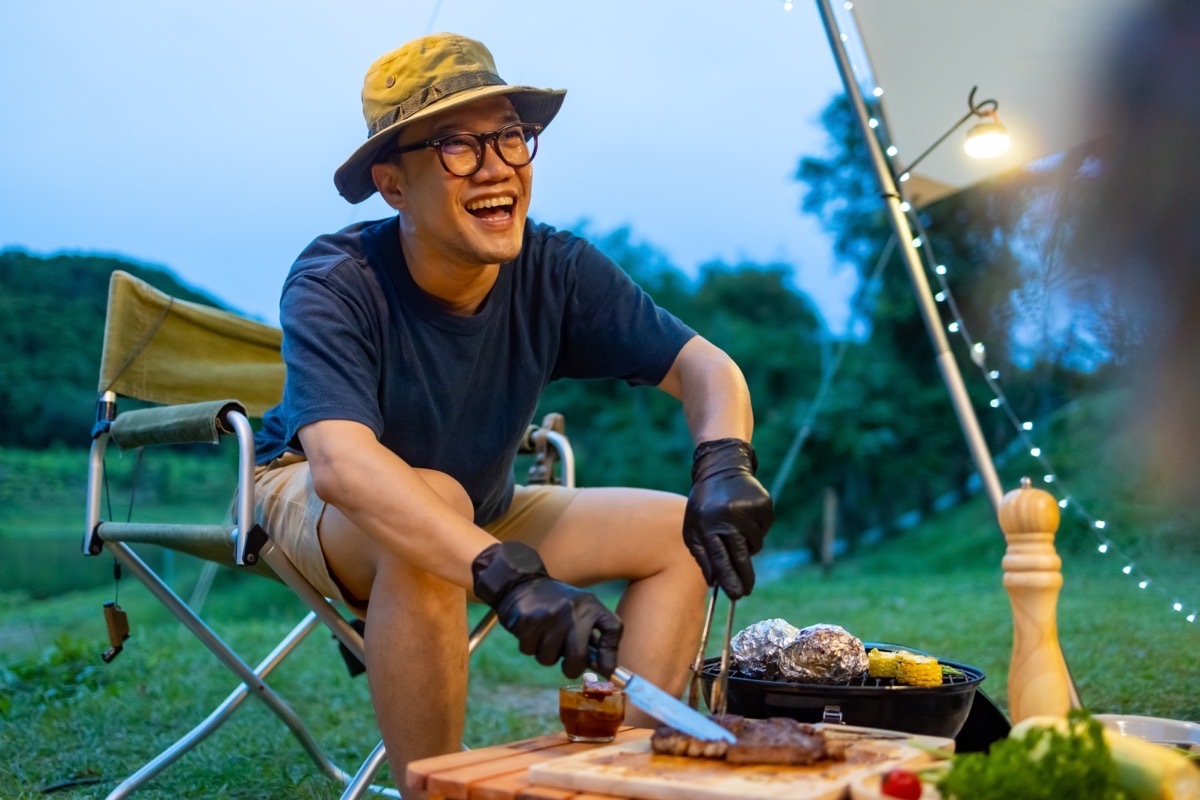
[(866, 701)]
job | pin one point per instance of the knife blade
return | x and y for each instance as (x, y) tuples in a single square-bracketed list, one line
[(665, 708)]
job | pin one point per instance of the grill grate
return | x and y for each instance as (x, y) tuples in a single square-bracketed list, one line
[(864, 681)]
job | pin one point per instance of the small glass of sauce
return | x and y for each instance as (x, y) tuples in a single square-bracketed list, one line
[(591, 712)]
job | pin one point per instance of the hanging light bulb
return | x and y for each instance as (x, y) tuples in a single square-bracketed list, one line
[(987, 139)]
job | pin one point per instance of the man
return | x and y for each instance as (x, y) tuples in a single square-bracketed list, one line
[(416, 349)]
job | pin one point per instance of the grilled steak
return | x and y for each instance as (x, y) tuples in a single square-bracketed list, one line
[(668, 741), (777, 740)]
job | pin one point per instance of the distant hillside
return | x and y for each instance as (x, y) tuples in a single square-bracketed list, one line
[(52, 328)]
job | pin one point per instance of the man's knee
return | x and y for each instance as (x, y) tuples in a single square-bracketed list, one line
[(450, 490)]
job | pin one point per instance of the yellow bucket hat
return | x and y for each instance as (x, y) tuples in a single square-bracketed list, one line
[(420, 79)]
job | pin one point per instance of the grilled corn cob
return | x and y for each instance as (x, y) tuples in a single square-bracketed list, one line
[(914, 670), (882, 663)]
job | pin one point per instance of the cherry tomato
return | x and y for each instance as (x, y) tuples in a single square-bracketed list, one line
[(901, 783)]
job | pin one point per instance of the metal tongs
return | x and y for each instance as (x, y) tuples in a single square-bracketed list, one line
[(718, 700)]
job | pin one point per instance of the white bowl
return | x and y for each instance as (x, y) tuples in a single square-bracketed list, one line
[(1154, 729)]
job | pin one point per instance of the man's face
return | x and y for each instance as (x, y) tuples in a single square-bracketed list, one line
[(473, 221)]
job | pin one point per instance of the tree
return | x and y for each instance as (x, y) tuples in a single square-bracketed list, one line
[(52, 323)]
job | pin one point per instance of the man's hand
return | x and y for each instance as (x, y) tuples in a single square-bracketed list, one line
[(550, 619), (728, 514)]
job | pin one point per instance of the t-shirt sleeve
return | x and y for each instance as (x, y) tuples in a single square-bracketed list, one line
[(611, 327), (332, 360)]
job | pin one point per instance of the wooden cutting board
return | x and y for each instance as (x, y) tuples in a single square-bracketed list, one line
[(631, 769)]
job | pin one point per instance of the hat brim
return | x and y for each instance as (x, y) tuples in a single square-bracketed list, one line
[(353, 178)]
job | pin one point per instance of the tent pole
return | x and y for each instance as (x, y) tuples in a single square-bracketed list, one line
[(912, 262)]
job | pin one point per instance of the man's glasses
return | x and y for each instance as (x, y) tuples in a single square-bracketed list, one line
[(461, 153)]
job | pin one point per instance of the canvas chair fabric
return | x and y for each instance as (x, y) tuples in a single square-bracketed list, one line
[(165, 350), (189, 359)]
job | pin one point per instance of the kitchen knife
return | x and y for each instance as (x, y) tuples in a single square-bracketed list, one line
[(665, 708)]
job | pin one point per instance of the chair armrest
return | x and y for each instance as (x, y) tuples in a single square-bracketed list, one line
[(182, 424)]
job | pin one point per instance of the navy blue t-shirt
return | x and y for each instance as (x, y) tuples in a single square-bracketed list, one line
[(363, 342)]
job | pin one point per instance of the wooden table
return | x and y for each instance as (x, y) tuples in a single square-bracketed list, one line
[(501, 772)]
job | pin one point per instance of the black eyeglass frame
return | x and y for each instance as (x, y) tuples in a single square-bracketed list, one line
[(530, 129)]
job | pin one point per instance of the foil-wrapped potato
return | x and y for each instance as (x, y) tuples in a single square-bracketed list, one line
[(756, 649), (823, 654)]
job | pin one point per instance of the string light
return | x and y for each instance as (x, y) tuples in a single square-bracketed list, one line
[(978, 353), (991, 377)]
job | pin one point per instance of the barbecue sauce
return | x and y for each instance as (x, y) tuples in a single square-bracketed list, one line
[(589, 715)]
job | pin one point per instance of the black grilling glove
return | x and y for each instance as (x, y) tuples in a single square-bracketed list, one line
[(728, 514), (550, 619)]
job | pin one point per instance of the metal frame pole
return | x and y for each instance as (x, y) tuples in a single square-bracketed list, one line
[(912, 262)]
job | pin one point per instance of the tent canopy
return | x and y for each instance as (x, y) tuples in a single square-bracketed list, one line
[(1041, 61)]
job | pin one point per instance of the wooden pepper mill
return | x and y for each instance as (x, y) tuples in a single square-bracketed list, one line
[(1038, 681)]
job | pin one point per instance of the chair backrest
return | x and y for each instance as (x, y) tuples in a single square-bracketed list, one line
[(165, 350)]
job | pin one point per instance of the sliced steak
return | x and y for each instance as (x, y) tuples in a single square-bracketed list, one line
[(777, 740), (668, 741)]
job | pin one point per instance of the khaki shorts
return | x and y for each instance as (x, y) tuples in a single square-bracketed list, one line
[(290, 511)]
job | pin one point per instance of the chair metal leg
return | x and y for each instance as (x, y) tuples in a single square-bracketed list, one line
[(361, 783), (218, 716), (203, 584), (251, 679)]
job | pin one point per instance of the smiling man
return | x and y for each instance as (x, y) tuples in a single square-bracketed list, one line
[(417, 348)]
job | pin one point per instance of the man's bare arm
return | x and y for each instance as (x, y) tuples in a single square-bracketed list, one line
[(728, 511), (713, 391), (389, 502)]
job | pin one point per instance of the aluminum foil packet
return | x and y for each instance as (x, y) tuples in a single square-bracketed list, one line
[(823, 654), (756, 649)]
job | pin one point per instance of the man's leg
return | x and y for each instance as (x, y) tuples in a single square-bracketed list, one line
[(637, 534), (416, 638)]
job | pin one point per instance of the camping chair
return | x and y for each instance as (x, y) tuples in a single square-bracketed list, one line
[(188, 359)]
